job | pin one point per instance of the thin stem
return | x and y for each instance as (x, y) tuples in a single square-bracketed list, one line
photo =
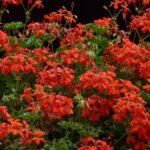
[(27, 13), (2, 10)]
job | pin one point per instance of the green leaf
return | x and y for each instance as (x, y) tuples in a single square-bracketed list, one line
[(31, 116), (13, 26), (96, 28), (61, 145), (99, 60), (22, 42)]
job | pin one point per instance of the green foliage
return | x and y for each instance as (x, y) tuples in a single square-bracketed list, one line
[(97, 30), (57, 145), (14, 26), (83, 129)]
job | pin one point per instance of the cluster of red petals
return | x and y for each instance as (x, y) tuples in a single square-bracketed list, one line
[(56, 106), (126, 86), (53, 106), (4, 40), (117, 98), (126, 54), (131, 108), (144, 70), (96, 144), (98, 79), (45, 57), (125, 4), (3, 130), (96, 108), (38, 28), (104, 22), (60, 15), (142, 22), (41, 55), (20, 128), (56, 76), (130, 103), (108, 24), (18, 63), (76, 55), (147, 87), (75, 36), (3, 112), (129, 55), (41, 28), (7, 47)]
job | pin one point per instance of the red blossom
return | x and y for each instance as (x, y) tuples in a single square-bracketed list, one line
[(141, 22), (104, 22), (59, 15), (76, 55), (18, 63), (56, 106), (3, 131), (96, 108), (96, 144), (3, 112), (127, 55), (98, 79), (56, 76)]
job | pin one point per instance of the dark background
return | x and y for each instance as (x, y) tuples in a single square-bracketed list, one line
[(86, 10)]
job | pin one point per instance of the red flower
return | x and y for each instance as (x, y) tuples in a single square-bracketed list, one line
[(55, 76), (141, 22), (76, 55), (3, 131), (147, 88), (96, 108), (18, 63), (38, 137), (96, 144), (56, 106), (3, 112), (104, 22)]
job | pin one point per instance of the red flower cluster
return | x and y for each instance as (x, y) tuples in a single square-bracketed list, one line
[(147, 87), (125, 4), (56, 76), (3, 112), (18, 63), (96, 108), (4, 40), (57, 106), (76, 55), (96, 144), (144, 70), (18, 128), (53, 106), (128, 56), (142, 22), (41, 28), (98, 79), (60, 15), (104, 22), (75, 36), (41, 55), (81, 68), (130, 109)]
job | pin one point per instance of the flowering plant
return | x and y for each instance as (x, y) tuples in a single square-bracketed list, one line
[(89, 92)]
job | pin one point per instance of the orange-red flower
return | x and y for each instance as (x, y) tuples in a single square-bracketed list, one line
[(18, 63), (96, 144), (96, 108)]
